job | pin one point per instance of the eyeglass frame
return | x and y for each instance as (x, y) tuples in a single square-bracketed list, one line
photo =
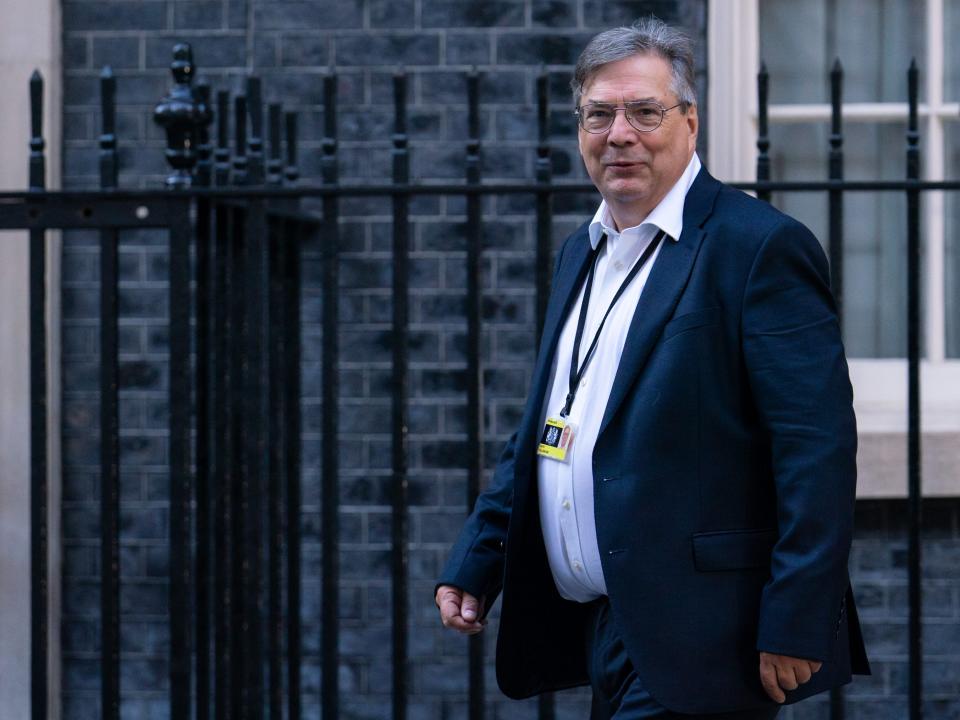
[(615, 108)]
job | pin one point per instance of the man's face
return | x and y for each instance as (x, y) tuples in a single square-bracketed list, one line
[(634, 170)]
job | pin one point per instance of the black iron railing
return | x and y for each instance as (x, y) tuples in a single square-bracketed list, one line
[(235, 423)]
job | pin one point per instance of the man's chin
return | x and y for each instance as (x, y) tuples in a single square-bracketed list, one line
[(625, 192)]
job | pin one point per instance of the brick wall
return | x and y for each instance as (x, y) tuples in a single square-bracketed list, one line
[(290, 44)]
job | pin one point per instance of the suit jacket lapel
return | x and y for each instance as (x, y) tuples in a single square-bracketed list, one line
[(662, 291), (573, 270)]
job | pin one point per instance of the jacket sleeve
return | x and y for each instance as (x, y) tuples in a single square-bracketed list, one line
[(476, 561), (801, 387)]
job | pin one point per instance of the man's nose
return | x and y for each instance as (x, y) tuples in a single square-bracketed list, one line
[(621, 132)]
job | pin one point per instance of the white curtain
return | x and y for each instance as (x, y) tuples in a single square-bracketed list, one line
[(874, 42)]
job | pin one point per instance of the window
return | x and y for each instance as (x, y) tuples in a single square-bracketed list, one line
[(875, 43)]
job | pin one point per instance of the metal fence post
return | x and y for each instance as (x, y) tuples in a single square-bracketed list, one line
[(474, 367), (330, 607), (109, 425), (763, 139), (38, 421), (913, 400), (400, 416)]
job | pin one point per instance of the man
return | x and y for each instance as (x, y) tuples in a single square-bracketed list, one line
[(685, 551)]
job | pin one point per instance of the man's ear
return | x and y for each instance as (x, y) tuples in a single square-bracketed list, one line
[(693, 125)]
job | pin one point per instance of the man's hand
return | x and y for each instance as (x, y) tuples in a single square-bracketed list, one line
[(782, 672), (460, 610)]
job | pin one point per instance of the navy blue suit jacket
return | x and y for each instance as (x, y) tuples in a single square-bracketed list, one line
[(724, 475)]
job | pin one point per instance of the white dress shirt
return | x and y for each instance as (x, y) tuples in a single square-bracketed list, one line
[(566, 488)]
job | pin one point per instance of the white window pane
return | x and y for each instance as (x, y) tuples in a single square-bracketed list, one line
[(874, 41), (951, 50), (952, 243), (874, 225)]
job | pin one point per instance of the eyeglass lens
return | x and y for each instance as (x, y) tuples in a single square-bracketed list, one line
[(598, 117)]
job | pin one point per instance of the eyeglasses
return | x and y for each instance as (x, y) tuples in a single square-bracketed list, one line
[(644, 116)]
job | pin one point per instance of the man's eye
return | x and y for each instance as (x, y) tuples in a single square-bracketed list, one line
[(598, 112), (644, 111)]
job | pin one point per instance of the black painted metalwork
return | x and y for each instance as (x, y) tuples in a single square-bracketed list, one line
[(277, 430), (291, 172), (109, 424), (836, 195), (179, 115), (274, 128), (255, 460), (222, 153), (544, 169), (914, 489), (116, 209), (37, 169), (835, 249), (237, 479), (763, 139), (108, 138), (474, 454), (544, 199), (110, 481), (255, 154), (39, 565), (223, 442), (206, 429), (240, 162), (330, 502), (180, 461), (204, 404), (399, 417), (291, 332), (204, 176), (246, 399)]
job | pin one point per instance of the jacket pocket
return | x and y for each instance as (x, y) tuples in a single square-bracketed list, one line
[(733, 549), (691, 320)]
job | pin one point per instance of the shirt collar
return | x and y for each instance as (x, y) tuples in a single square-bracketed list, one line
[(667, 215)]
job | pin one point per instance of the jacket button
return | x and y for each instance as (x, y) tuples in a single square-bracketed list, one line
[(503, 546)]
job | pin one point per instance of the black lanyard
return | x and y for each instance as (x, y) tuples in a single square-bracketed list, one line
[(577, 374)]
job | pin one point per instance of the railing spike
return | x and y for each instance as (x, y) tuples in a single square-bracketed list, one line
[(204, 144), (274, 130), (108, 139), (763, 139), (37, 167), (255, 151), (240, 140), (222, 152), (291, 172), (328, 161)]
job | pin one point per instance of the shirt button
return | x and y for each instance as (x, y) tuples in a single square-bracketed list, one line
[(618, 265), (566, 504), (577, 566)]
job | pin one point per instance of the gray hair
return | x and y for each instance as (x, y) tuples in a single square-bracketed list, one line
[(647, 36)]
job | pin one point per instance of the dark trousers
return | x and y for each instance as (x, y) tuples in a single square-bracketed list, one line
[(618, 693)]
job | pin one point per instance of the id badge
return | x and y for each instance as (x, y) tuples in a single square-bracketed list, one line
[(557, 439)]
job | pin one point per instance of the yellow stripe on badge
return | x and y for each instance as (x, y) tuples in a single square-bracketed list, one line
[(552, 452)]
